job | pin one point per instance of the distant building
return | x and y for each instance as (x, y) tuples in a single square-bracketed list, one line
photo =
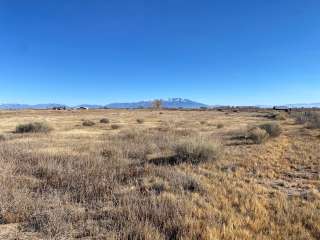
[(282, 108), (59, 108)]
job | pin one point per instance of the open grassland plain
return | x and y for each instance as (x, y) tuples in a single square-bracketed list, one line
[(148, 174)]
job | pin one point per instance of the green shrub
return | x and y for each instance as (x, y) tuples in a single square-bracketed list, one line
[(88, 123), (35, 127), (273, 129)]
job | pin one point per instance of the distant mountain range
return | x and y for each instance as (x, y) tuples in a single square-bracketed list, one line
[(27, 106), (169, 103), (296, 105), (304, 105)]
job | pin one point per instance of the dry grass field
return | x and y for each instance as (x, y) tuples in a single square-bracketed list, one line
[(148, 174)]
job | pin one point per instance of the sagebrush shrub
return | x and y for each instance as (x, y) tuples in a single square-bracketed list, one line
[(35, 127), (140, 120), (273, 129), (115, 126), (258, 135), (196, 150), (104, 120), (280, 116), (220, 125), (88, 123)]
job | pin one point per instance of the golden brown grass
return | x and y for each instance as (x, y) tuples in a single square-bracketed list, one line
[(169, 178)]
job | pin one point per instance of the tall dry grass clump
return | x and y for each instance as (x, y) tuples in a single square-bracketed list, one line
[(34, 127), (301, 117), (273, 129), (315, 120), (257, 135), (310, 118), (280, 116), (197, 150)]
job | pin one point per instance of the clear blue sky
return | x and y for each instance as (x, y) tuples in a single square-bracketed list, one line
[(218, 52)]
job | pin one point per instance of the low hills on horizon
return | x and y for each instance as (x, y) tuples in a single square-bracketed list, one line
[(169, 103)]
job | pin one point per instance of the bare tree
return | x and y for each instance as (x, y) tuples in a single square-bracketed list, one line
[(157, 103)]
